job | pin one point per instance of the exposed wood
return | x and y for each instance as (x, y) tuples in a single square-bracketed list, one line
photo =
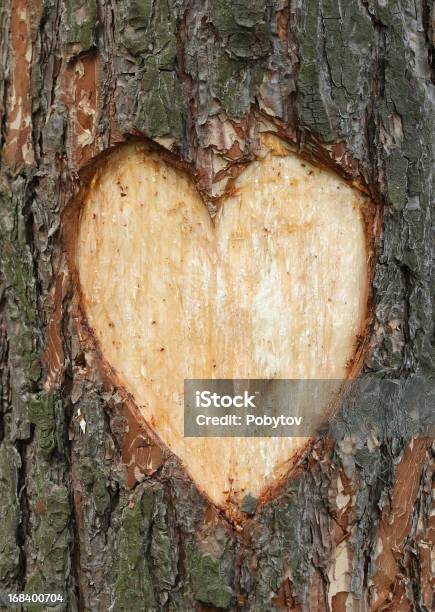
[(275, 286)]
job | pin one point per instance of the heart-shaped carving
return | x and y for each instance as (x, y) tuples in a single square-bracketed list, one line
[(275, 286)]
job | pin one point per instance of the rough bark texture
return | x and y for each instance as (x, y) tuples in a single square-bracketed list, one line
[(88, 505)]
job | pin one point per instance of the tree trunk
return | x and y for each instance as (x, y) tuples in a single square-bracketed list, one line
[(90, 505)]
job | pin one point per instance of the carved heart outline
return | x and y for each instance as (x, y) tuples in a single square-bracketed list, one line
[(113, 374)]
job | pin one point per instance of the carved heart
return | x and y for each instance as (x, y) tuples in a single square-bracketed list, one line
[(274, 287)]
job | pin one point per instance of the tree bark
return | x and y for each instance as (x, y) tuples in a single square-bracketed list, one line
[(89, 505)]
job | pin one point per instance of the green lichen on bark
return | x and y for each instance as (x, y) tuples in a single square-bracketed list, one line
[(50, 522), (10, 463), (41, 414), (133, 588), (279, 540), (336, 42), (243, 40), (242, 27), (146, 555), (19, 317), (208, 577), (93, 458), (148, 31), (80, 24), (49, 516), (94, 482), (163, 551), (160, 106), (90, 449), (17, 266), (234, 83)]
